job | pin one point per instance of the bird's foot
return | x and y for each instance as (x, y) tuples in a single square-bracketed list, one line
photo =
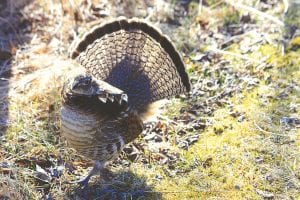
[(85, 181)]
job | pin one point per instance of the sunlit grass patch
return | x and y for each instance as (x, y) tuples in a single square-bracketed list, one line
[(251, 157), (241, 160), (248, 145)]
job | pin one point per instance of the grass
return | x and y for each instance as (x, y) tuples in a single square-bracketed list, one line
[(240, 159), (246, 151)]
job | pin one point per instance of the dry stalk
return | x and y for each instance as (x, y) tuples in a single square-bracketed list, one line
[(239, 6)]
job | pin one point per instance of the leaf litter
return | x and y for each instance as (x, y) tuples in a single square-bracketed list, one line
[(218, 58)]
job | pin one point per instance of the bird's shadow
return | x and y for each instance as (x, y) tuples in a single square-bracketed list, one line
[(125, 185)]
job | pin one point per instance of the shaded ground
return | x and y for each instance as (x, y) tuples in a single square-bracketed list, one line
[(12, 36), (236, 135)]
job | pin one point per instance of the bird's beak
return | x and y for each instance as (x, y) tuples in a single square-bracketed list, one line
[(99, 91), (124, 97), (103, 99), (102, 95)]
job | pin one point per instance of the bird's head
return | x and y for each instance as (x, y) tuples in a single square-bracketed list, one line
[(84, 86)]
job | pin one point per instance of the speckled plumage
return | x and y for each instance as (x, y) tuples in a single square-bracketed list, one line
[(131, 65)]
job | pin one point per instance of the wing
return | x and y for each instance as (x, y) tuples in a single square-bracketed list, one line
[(134, 57)]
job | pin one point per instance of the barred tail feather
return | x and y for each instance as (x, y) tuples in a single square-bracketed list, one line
[(134, 57)]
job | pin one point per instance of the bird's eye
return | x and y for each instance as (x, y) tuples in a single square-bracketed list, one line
[(82, 83), (86, 82)]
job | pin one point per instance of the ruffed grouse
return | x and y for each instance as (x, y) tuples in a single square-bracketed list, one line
[(129, 65)]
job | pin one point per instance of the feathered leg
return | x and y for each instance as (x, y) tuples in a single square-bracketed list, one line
[(85, 181)]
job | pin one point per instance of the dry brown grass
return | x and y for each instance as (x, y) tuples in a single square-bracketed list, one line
[(253, 158)]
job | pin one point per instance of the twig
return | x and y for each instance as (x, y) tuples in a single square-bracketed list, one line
[(286, 6), (200, 7), (233, 54), (216, 4), (238, 37), (170, 121), (188, 191), (239, 6), (268, 132)]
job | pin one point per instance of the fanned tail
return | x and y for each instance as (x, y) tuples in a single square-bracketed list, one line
[(134, 57)]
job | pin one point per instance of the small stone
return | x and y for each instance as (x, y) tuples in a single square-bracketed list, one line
[(158, 138), (237, 187), (181, 132), (158, 177), (150, 136), (199, 125), (265, 194), (192, 139), (259, 160), (241, 118)]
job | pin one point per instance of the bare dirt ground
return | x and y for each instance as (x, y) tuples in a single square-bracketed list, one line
[(236, 136)]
